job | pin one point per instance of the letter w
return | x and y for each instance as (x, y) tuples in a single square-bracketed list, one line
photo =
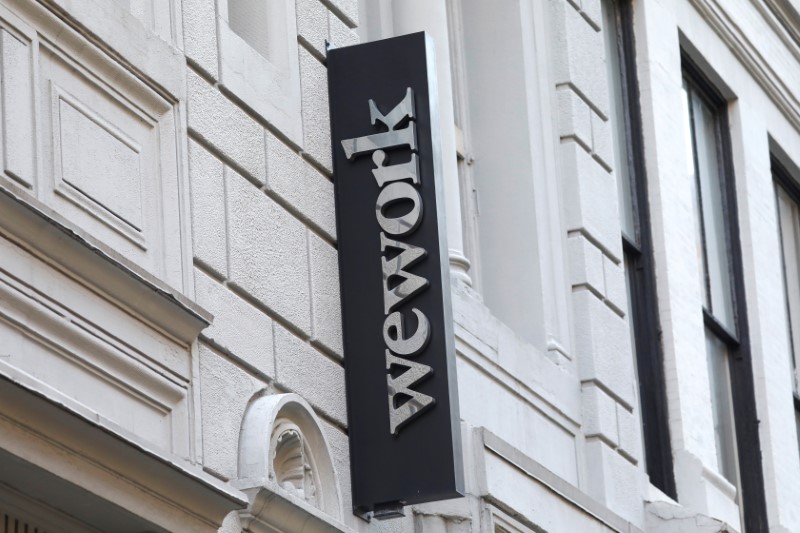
[(411, 284), (400, 416)]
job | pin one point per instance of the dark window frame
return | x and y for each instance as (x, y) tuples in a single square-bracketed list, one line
[(745, 412), (639, 256)]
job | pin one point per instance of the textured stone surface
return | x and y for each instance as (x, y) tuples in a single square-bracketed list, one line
[(592, 11), (304, 188), (616, 291), (613, 480), (225, 390), (580, 55), (592, 204), (200, 34), (326, 303), (340, 34), (348, 8), (307, 372), (226, 127), (316, 115), (208, 209), (574, 116), (602, 345), (238, 327), (312, 24), (630, 439), (268, 254), (602, 141), (585, 263), (599, 414)]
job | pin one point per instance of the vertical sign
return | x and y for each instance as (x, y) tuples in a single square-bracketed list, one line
[(405, 442)]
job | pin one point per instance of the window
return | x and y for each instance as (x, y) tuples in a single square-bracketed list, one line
[(787, 194), (636, 242), (259, 64), (724, 312), (702, 126)]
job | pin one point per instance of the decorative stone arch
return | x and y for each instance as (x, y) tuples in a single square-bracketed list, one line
[(285, 468)]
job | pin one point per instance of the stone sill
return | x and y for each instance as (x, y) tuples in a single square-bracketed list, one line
[(36, 227)]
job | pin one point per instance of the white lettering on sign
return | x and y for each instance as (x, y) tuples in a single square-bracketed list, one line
[(399, 184)]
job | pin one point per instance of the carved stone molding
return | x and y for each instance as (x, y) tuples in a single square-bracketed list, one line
[(286, 470)]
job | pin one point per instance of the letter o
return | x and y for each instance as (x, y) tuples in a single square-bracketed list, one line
[(405, 224)]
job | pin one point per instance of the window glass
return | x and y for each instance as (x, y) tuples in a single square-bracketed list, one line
[(789, 227), (713, 240), (718, 272), (690, 162), (721, 406), (789, 224), (249, 19), (619, 124)]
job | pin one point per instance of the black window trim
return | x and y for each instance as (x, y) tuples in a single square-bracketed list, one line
[(646, 323), (748, 442)]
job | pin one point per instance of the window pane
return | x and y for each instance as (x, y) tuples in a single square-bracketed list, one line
[(618, 123), (722, 406), (713, 214), (248, 18), (688, 138), (789, 225), (714, 252)]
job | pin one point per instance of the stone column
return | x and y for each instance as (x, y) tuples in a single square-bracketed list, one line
[(411, 16)]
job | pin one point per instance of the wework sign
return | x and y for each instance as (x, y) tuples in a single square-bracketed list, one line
[(405, 444)]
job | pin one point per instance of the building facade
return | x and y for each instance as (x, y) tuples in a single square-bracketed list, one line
[(622, 195)]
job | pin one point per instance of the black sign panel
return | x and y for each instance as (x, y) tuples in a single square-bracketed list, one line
[(405, 443)]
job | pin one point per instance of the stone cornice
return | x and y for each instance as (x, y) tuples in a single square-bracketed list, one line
[(751, 58)]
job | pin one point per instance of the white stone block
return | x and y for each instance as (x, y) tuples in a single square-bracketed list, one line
[(476, 319), (574, 117), (614, 481), (316, 115), (301, 185), (226, 127), (599, 414), (348, 9), (602, 345), (340, 453), (19, 153), (268, 252), (592, 11), (340, 34), (591, 195), (312, 24), (326, 304), (225, 390), (200, 35), (585, 263), (304, 370), (630, 436), (238, 327), (602, 141), (616, 289), (208, 209), (579, 55)]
